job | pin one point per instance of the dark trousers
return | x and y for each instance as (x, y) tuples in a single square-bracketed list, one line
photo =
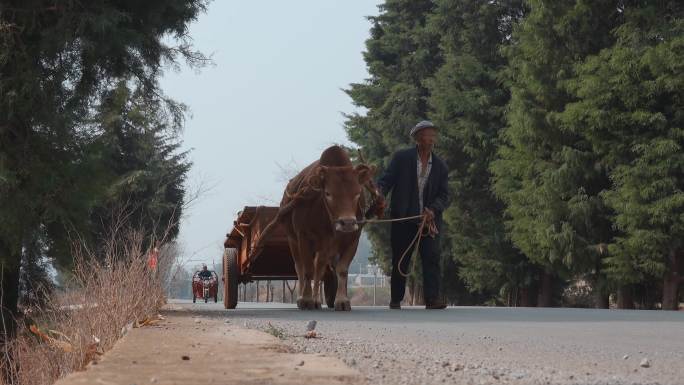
[(401, 236)]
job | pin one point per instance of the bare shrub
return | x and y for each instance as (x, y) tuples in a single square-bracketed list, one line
[(108, 295), (579, 293)]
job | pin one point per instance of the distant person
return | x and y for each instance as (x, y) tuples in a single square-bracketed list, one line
[(204, 273), (418, 181), (153, 258)]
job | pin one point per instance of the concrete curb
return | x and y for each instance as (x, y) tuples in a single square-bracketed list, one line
[(184, 349)]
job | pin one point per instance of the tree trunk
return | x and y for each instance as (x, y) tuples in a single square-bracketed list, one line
[(671, 282), (257, 290), (526, 297), (291, 290), (625, 298), (9, 292), (268, 291), (415, 292), (601, 300), (599, 286), (546, 290), (516, 293)]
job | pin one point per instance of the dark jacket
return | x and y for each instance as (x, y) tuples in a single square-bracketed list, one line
[(401, 180)]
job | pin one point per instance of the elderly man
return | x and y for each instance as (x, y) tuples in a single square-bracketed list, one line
[(418, 181)]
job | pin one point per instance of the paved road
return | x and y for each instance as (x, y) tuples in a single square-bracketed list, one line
[(478, 345)]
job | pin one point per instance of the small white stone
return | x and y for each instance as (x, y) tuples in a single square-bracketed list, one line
[(645, 363), (625, 357), (518, 375)]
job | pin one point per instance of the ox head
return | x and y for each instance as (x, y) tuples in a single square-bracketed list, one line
[(341, 188)]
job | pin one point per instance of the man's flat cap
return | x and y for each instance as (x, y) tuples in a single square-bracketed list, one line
[(421, 125)]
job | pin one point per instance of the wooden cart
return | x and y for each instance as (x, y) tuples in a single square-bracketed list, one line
[(274, 261)]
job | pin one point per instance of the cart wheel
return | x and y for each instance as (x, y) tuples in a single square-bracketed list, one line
[(230, 278), (330, 288)]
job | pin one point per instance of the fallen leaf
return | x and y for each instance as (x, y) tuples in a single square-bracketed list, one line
[(65, 346)]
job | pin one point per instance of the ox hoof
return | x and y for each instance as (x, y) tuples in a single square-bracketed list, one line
[(305, 304), (342, 306), (317, 305)]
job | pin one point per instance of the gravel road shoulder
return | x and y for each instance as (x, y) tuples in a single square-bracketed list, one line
[(571, 347)]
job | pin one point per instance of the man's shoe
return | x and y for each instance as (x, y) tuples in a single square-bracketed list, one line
[(435, 305), (395, 306)]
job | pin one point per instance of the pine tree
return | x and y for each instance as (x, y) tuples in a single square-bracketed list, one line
[(140, 149), (548, 175), (401, 54), (56, 60), (468, 98), (631, 102)]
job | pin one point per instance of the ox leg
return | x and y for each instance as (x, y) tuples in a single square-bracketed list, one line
[(299, 268), (320, 267), (306, 257), (342, 269)]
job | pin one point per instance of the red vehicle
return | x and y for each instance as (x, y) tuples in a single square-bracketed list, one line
[(205, 286)]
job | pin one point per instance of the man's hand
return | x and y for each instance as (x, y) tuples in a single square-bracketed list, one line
[(429, 214)]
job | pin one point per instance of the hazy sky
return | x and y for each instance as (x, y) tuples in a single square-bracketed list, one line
[(269, 105)]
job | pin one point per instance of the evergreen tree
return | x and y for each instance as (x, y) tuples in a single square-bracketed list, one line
[(468, 98), (56, 60), (548, 176), (401, 54), (631, 110), (140, 149), (34, 279)]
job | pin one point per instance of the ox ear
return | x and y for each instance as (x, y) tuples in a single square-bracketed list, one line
[(365, 173), (318, 177)]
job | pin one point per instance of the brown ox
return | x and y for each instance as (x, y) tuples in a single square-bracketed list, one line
[(323, 223)]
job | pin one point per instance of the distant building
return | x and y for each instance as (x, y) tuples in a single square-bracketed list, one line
[(370, 276)]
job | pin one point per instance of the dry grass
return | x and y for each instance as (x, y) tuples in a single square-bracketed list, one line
[(109, 294)]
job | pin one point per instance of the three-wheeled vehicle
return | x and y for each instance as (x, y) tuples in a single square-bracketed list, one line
[(204, 287)]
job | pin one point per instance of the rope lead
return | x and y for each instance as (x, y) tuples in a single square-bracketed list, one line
[(431, 231)]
